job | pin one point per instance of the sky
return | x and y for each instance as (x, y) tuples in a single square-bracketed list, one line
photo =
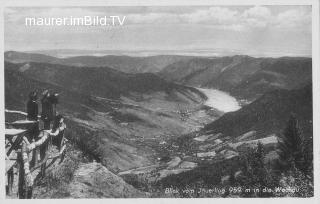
[(253, 30)]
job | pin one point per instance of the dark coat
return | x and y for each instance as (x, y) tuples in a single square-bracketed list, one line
[(47, 109), (32, 110), (58, 140)]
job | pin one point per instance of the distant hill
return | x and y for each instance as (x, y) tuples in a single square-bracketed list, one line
[(268, 114), (242, 76), (98, 81), (122, 63), (21, 57)]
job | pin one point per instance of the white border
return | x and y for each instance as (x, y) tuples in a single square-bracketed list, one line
[(56, 3), (76, 3)]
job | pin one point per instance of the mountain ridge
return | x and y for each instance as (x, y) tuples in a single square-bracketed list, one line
[(244, 77), (122, 63)]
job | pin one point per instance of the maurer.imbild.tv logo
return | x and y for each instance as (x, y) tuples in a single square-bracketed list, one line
[(76, 21)]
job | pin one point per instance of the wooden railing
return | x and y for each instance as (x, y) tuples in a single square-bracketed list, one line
[(14, 111), (23, 147)]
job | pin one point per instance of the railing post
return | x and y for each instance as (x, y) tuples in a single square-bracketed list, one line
[(43, 154), (10, 175), (34, 158), (21, 182)]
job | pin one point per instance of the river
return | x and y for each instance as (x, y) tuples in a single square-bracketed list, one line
[(220, 100)]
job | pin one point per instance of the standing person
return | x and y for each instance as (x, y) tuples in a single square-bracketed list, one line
[(57, 131), (47, 117), (32, 106), (32, 115), (47, 110), (54, 98)]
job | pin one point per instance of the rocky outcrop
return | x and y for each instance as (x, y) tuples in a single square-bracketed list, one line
[(93, 180)]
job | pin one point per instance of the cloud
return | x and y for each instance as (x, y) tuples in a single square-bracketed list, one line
[(229, 27), (257, 12), (153, 18), (17, 15), (257, 17), (294, 18), (228, 18), (213, 15), (220, 17)]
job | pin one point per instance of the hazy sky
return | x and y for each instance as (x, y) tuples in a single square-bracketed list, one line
[(256, 30)]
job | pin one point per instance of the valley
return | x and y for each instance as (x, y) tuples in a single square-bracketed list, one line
[(172, 126)]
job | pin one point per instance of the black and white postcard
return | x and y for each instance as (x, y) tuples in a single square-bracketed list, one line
[(157, 100)]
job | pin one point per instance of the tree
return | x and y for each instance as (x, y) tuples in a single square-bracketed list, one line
[(291, 149), (257, 176), (308, 156)]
